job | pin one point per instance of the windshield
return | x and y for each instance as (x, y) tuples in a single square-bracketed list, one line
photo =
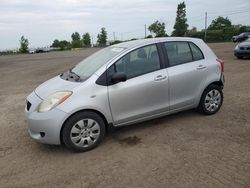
[(91, 64)]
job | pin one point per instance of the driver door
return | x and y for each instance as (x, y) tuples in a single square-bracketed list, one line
[(145, 92)]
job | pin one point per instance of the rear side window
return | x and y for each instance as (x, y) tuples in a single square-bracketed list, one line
[(178, 53), (197, 54), (182, 52)]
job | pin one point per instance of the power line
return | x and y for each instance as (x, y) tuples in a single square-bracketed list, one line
[(235, 13), (229, 11), (222, 12), (213, 16), (132, 31)]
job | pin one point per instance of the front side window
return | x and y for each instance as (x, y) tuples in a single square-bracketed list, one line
[(178, 53), (138, 62)]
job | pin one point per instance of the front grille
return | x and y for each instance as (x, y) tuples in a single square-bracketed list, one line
[(28, 105), (245, 48)]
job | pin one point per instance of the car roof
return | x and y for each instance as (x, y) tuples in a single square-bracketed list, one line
[(142, 42)]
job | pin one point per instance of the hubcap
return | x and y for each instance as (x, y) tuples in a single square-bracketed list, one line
[(85, 132), (212, 100)]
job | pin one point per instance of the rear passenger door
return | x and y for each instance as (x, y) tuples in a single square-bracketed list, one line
[(186, 72)]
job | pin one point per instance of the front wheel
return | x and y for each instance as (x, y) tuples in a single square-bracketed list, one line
[(83, 131), (211, 100)]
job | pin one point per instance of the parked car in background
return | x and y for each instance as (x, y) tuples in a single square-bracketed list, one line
[(242, 49), (32, 51), (42, 50), (234, 38), (124, 84), (241, 37)]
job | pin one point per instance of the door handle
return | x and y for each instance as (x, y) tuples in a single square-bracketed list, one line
[(201, 67), (160, 77)]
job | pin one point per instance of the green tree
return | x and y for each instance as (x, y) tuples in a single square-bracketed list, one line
[(24, 45), (86, 39), (75, 36), (158, 29), (191, 32), (102, 37), (180, 27), (64, 45), (56, 43), (115, 42), (220, 23), (76, 40), (242, 29), (149, 36)]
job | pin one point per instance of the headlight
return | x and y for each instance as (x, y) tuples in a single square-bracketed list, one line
[(53, 100), (237, 47)]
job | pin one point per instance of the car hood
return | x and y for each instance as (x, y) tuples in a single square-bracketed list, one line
[(53, 85), (244, 44)]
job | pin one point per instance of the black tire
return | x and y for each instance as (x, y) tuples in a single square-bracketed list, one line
[(240, 57), (202, 105), (72, 121)]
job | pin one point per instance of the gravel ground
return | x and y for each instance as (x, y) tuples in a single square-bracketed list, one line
[(181, 150)]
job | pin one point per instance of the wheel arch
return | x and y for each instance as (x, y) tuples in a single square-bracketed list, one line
[(200, 107), (218, 83), (84, 110)]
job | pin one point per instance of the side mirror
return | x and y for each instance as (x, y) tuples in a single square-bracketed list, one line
[(118, 77)]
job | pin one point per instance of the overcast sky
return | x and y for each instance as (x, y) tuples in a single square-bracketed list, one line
[(45, 20)]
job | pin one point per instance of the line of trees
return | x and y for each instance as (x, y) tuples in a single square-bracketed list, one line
[(76, 42), (220, 30), (79, 42)]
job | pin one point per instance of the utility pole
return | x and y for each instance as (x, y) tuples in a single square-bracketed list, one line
[(121, 36), (92, 40), (145, 30), (205, 37), (114, 35)]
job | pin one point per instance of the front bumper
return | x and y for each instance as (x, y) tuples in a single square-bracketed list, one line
[(242, 53), (44, 127)]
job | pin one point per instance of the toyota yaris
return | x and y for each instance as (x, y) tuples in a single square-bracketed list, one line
[(124, 84)]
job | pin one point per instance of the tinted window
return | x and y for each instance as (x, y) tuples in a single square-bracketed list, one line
[(197, 54), (138, 62), (178, 53)]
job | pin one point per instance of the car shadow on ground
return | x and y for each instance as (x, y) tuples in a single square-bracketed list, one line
[(244, 58), (162, 121), (115, 134)]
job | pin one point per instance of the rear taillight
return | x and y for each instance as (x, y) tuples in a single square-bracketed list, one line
[(221, 64)]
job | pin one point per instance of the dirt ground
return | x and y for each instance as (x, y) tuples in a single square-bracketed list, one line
[(182, 150)]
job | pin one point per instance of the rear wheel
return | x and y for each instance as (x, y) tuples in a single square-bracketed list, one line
[(211, 100), (83, 131)]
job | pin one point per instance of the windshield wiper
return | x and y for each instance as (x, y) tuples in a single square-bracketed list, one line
[(76, 76)]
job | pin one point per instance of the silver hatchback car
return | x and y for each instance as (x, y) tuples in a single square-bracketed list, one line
[(124, 84)]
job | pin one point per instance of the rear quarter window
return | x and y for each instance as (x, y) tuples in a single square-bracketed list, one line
[(197, 54)]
